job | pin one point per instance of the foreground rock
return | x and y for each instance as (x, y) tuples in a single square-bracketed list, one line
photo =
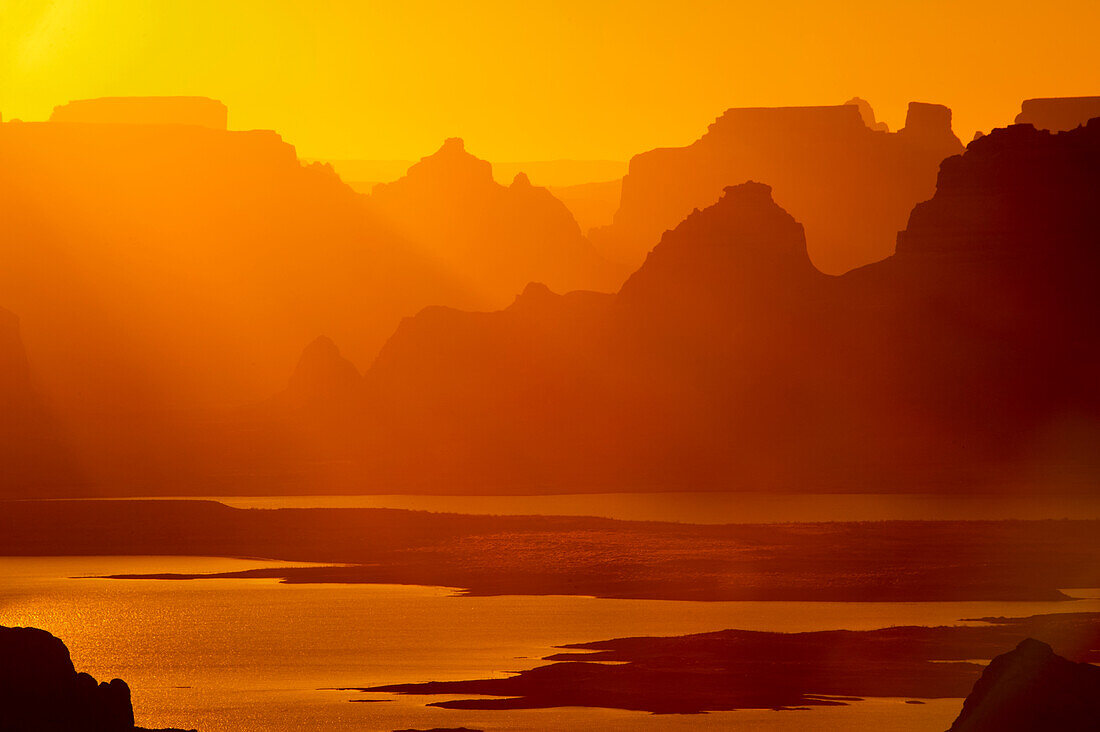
[(40, 690), (1031, 689)]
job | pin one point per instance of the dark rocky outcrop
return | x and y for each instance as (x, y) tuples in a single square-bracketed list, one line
[(40, 691), (1058, 114), (850, 182), (1031, 689)]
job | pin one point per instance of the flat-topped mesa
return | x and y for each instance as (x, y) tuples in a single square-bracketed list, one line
[(199, 111), (781, 120), (1058, 114), (929, 124)]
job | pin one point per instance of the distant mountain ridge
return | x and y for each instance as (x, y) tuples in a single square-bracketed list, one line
[(728, 360), (964, 361), (199, 111)]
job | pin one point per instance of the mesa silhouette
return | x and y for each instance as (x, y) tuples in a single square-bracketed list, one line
[(1058, 114), (40, 690), (728, 360), (738, 669), (145, 110), (845, 177)]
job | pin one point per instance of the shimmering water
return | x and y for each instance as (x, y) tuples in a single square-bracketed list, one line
[(251, 654)]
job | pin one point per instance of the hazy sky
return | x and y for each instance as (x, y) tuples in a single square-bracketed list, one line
[(533, 79)]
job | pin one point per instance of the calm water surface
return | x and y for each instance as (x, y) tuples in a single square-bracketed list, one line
[(252, 654)]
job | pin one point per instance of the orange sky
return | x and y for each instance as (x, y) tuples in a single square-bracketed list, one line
[(389, 79)]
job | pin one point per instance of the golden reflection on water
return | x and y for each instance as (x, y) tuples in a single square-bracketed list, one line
[(235, 655)]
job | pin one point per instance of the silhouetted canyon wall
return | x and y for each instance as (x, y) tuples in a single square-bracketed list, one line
[(192, 265), (728, 360), (851, 185)]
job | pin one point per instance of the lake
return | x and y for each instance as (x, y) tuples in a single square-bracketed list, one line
[(252, 654)]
